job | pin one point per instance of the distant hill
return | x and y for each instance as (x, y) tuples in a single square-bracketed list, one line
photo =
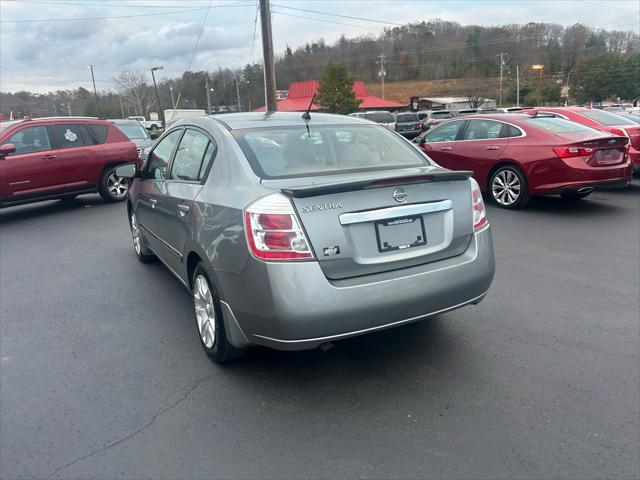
[(457, 87)]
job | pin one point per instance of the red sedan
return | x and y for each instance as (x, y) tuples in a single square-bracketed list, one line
[(605, 121), (514, 156)]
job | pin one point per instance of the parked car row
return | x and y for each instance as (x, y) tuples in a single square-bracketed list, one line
[(514, 156)]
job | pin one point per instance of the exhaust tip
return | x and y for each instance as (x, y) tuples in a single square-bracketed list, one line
[(585, 189)]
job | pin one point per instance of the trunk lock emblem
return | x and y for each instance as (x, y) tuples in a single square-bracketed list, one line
[(399, 195)]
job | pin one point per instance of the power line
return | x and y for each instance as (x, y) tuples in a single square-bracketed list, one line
[(195, 47), (253, 42), (338, 15), (324, 20)]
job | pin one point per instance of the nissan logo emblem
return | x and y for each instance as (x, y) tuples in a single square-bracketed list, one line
[(399, 195)]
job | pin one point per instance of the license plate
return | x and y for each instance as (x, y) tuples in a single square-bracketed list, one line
[(608, 156), (400, 233)]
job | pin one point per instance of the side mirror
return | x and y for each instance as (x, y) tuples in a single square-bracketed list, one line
[(7, 149), (128, 170)]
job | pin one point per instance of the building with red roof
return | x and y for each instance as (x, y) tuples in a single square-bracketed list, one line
[(301, 93)]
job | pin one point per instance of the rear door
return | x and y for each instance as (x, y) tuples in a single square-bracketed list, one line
[(482, 143), (439, 143), (75, 155), (189, 168), (30, 171)]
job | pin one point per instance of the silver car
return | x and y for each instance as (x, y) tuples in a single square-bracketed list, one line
[(293, 232)]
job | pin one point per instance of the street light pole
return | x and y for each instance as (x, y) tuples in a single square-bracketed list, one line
[(238, 94), (173, 101), (95, 91), (206, 85), (155, 87)]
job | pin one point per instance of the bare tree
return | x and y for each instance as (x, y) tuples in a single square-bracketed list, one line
[(135, 91)]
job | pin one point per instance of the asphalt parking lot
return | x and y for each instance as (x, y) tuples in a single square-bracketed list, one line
[(102, 374)]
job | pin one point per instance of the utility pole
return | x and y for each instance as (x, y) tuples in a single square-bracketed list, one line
[(267, 53), (517, 86), (173, 101), (95, 92), (238, 94), (382, 63), (501, 54), (206, 85), (155, 87)]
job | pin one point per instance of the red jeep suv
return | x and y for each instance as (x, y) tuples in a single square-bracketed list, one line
[(61, 157)]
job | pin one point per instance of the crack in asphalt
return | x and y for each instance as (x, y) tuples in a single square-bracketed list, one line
[(140, 430)]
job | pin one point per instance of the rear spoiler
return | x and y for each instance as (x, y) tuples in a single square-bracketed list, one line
[(323, 188)]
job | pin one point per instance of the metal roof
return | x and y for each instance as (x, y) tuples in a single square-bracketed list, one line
[(451, 99)]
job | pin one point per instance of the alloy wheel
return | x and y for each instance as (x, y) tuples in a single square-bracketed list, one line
[(205, 311), (506, 187), (117, 186), (135, 233)]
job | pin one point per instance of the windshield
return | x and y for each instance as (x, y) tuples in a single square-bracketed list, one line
[(5, 125), (292, 152), (407, 117), (442, 114), (379, 117), (559, 125), (134, 131), (606, 118)]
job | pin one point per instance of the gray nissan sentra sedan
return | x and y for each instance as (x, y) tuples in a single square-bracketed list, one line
[(292, 233)]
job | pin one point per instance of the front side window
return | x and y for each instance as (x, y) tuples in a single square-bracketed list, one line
[(190, 163), (69, 136), (293, 151), (444, 133), (483, 130), (29, 140), (161, 155)]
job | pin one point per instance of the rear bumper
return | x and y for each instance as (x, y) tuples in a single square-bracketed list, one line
[(296, 307), (575, 174)]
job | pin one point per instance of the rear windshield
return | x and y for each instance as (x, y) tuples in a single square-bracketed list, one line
[(379, 117), (407, 117), (606, 118), (558, 125), (293, 152), (134, 131), (442, 114)]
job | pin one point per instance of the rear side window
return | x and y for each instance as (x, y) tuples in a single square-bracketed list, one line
[(294, 151), (98, 132), (70, 136), (513, 131), (558, 125), (192, 157), (483, 130), (30, 139)]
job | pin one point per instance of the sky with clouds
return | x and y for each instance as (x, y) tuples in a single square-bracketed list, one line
[(47, 44)]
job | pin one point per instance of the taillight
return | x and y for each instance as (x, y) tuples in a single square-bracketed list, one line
[(421, 126), (273, 230), (568, 152), (619, 132), (479, 212)]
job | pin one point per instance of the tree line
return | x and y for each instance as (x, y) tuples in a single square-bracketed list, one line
[(596, 64)]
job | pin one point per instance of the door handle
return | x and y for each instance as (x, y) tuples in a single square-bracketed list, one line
[(492, 147), (153, 202), (49, 157), (445, 148), (183, 209)]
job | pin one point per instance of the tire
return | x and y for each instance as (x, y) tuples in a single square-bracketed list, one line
[(209, 321), (144, 253), (508, 188), (571, 195), (113, 188)]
